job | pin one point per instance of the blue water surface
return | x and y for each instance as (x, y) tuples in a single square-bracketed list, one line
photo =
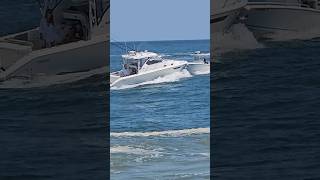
[(265, 112), (161, 108)]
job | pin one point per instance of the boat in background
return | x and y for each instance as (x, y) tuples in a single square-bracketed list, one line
[(23, 55), (143, 66), (200, 64), (283, 19)]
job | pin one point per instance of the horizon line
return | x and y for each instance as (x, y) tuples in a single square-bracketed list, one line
[(160, 40)]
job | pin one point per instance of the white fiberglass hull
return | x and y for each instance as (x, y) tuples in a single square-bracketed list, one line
[(195, 68), (68, 58), (272, 21), (145, 76)]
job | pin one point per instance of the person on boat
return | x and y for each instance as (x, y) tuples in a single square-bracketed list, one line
[(75, 33), (48, 30), (133, 68)]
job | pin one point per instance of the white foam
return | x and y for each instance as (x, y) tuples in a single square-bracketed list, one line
[(135, 151), (200, 154), (239, 37), (43, 81), (165, 79), (169, 133)]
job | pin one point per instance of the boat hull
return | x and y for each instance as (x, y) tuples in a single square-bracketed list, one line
[(268, 21), (70, 58), (198, 68), (147, 76)]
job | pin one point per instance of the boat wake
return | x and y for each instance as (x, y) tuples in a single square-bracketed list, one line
[(237, 38), (165, 79), (43, 81), (168, 133)]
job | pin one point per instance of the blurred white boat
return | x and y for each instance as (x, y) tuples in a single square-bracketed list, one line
[(200, 65), (26, 55), (281, 18)]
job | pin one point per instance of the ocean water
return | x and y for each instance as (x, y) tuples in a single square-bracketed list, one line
[(54, 132), (265, 112), (19, 15), (160, 129), (55, 128)]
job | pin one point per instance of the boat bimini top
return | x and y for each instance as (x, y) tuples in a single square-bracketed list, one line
[(136, 60)]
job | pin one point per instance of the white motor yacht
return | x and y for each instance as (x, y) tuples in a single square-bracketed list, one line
[(82, 27), (200, 64), (283, 19), (143, 66)]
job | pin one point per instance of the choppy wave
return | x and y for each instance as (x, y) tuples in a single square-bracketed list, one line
[(134, 150), (168, 133), (43, 81)]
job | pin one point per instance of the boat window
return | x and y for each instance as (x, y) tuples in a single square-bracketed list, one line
[(102, 7), (149, 62), (142, 62)]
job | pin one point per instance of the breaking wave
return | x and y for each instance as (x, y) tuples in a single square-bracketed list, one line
[(134, 150), (168, 133)]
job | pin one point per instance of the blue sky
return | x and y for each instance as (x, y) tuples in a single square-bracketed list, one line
[(147, 20)]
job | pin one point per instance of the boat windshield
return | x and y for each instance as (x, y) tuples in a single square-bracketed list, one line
[(153, 61)]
